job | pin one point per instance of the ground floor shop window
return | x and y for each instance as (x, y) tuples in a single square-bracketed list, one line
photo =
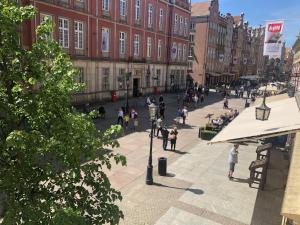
[(105, 79), (121, 79)]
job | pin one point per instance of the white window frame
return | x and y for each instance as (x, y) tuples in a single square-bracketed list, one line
[(105, 77), (122, 43), (149, 47), (123, 7), (137, 10), (161, 19), (105, 5), (184, 52), (150, 15), (179, 52), (136, 45), (159, 48), (64, 34), (176, 23), (105, 30), (180, 25), (42, 19), (186, 26), (78, 34)]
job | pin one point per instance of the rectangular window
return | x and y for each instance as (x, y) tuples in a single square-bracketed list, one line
[(63, 27), (122, 7), (80, 75), (105, 79), (149, 47), (136, 45), (184, 53), (148, 80), (176, 24), (105, 39), (181, 26), (121, 78), (158, 77), (179, 52), (161, 19), (122, 43), (105, 5), (78, 33), (159, 50), (186, 26), (43, 18), (137, 9), (150, 15)]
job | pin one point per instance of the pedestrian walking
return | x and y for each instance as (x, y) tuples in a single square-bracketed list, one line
[(225, 103), (173, 138), (184, 114), (120, 116), (165, 137), (161, 99), (162, 108), (236, 93), (134, 118), (232, 160), (178, 115), (201, 98), (126, 121), (159, 122), (196, 99)]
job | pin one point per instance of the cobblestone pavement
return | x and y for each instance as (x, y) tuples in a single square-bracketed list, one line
[(196, 190)]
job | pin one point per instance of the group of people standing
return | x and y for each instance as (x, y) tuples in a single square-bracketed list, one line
[(124, 118)]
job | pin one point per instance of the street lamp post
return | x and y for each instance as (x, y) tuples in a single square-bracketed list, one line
[(152, 114), (128, 75), (262, 112)]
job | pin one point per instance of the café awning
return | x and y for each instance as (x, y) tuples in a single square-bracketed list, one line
[(284, 119)]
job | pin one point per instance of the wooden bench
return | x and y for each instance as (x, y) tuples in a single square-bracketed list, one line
[(258, 172)]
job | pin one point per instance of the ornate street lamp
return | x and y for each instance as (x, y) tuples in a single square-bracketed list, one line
[(152, 115), (262, 112)]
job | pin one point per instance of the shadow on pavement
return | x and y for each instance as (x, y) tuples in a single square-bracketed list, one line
[(193, 190), (240, 180), (269, 201)]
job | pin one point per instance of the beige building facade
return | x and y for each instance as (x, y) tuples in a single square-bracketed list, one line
[(223, 47)]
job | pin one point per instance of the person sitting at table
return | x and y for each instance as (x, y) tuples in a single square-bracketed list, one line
[(236, 113), (217, 122)]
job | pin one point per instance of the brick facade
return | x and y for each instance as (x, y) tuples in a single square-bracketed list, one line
[(107, 39)]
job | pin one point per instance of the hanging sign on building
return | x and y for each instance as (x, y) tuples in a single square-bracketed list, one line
[(174, 51), (273, 39)]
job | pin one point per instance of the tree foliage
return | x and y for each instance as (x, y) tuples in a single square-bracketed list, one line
[(51, 156)]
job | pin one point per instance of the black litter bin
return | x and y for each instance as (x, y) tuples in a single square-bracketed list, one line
[(162, 166)]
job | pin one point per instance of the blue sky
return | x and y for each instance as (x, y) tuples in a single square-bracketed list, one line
[(258, 11)]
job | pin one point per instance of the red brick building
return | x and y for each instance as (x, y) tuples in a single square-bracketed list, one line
[(108, 39)]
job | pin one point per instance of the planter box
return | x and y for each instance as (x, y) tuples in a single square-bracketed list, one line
[(206, 134)]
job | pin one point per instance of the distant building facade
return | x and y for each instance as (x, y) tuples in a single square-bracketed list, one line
[(142, 43), (223, 47)]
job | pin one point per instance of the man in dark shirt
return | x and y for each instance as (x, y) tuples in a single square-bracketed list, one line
[(165, 136)]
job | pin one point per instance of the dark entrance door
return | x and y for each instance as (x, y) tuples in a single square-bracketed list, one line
[(135, 87)]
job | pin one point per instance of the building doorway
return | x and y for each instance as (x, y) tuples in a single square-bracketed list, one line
[(135, 88)]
